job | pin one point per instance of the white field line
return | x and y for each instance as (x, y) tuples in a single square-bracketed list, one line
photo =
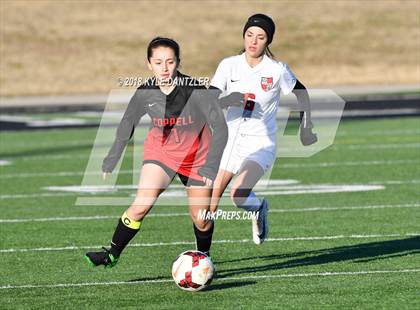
[(175, 243), (272, 190), (315, 189), (50, 143), (56, 174), (59, 157), (300, 165), (272, 184), (341, 133), (395, 182), (351, 163), (14, 196), (320, 189), (290, 210), (303, 189), (335, 147), (65, 156), (85, 218), (417, 205), (261, 277), (382, 133), (366, 146)]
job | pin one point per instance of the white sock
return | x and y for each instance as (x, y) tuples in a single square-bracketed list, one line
[(252, 203)]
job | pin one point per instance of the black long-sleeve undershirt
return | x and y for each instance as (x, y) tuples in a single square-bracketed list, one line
[(200, 98)]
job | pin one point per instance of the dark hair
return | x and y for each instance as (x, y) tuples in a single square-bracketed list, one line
[(166, 42), (267, 51)]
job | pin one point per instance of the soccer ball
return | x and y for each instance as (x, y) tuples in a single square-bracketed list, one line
[(192, 270)]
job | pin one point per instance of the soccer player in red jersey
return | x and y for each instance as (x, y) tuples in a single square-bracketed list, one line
[(187, 137)]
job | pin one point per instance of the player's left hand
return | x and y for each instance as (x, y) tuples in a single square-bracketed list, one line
[(208, 182), (307, 137)]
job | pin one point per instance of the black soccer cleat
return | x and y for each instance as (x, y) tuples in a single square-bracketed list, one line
[(103, 257)]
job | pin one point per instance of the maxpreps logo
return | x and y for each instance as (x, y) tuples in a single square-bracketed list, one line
[(227, 215), (267, 83)]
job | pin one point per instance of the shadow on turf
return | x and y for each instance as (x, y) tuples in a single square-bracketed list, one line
[(149, 279), (357, 253), (222, 286), (213, 287)]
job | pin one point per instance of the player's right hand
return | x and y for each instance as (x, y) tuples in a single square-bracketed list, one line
[(235, 99), (307, 137)]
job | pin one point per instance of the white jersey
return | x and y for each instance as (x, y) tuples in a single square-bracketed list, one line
[(264, 83)]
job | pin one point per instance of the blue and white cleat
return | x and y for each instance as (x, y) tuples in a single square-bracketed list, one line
[(260, 224)]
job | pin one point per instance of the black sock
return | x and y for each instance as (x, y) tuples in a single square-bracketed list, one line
[(122, 236), (203, 239)]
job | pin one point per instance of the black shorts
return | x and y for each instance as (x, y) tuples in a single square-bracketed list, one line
[(187, 181)]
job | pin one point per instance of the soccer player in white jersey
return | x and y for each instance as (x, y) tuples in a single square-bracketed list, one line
[(251, 84)]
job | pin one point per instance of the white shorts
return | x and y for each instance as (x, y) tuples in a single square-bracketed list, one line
[(243, 147)]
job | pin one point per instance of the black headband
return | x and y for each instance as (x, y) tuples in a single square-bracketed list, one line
[(263, 21), (161, 40)]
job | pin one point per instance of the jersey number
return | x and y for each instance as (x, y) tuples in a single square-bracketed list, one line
[(249, 105), (175, 133)]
